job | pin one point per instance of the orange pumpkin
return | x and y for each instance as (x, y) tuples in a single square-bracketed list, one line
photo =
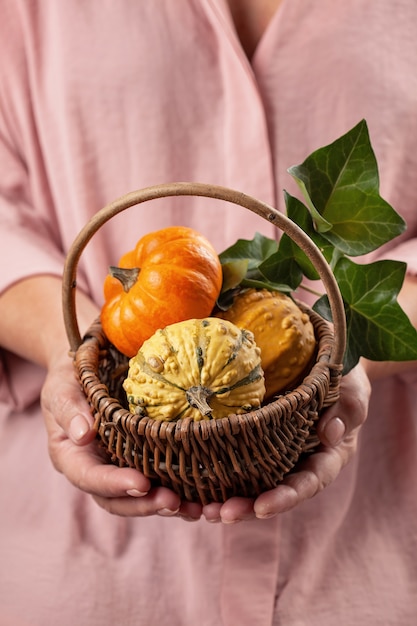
[(172, 275)]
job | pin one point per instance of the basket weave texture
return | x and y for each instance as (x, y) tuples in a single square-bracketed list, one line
[(208, 460)]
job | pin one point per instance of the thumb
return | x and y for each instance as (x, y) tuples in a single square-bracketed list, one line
[(80, 429), (349, 412), (64, 405)]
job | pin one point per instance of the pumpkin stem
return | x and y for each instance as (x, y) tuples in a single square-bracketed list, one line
[(198, 397), (126, 275)]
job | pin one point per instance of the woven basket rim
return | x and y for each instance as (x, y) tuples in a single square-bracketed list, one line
[(102, 400)]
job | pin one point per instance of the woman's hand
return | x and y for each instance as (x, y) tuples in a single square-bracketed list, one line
[(338, 430), (73, 451)]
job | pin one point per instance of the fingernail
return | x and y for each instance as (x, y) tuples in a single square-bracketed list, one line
[(266, 515), (167, 512), (335, 431), (79, 427), (135, 493)]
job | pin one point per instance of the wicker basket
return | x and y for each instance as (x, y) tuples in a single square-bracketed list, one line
[(209, 460)]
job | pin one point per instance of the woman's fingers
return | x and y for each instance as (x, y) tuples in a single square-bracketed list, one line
[(74, 453), (64, 406), (349, 412), (338, 430), (159, 501), (316, 473)]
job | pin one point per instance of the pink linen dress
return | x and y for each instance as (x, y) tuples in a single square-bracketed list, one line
[(100, 98)]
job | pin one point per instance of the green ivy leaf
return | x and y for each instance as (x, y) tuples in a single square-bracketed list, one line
[(299, 214), (344, 216), (377, 327), (243, 265), (340, 183), (281, 270), (233, 273), (254, 251)]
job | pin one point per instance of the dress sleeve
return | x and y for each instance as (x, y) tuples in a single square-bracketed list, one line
[(27, 245)]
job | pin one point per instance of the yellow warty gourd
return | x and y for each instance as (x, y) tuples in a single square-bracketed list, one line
[(282, 331), (199, 369)]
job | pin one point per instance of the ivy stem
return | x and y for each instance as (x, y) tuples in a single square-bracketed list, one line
[(126, 275), (310, 290)]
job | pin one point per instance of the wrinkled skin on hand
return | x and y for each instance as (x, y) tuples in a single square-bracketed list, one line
[(126, 492)]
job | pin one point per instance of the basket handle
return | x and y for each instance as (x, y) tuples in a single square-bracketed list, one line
[(210, 191)]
